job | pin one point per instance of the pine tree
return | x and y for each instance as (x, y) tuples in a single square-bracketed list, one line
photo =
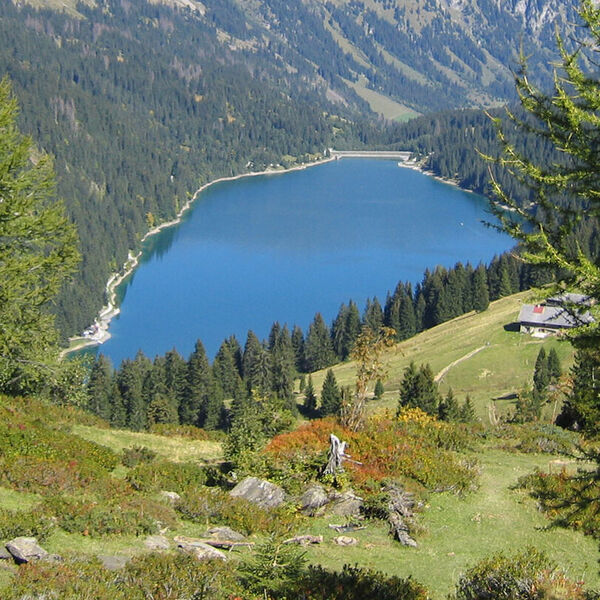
[(310, 398), (448, 409), (99, 387), (541, 374), (582, 408), (379, 390), (38, 254), (200, 385), (554, 368), (481, 298), (330, 396), (318, 350), (282, 366), (419, 390), (298, 346), (175, 377), (131, 380), (373, 315), (227, 365), (467, 412)]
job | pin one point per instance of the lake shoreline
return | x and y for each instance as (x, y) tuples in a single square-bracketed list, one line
[(111, 310)]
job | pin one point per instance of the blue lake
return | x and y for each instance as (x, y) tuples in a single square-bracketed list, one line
[(282, 247)]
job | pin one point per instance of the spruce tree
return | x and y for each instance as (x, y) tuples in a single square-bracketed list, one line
[(581, 410), (330, 396), (448, 409), (298, 347), (175, 377), (131, 380), (467, 412), (200, 385), (373, 315), (419, 390), (282, 366), (318, 350), (99, 387), (481, 297), (310, 398), (554, 368), (541, 374), (227, 365), (379, 390)]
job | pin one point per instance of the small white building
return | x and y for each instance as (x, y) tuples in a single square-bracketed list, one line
[(555, 314)]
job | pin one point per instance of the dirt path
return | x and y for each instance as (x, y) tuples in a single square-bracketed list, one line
[(441, 374)]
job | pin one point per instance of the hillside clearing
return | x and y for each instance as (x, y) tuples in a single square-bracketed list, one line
[(503, 365), (175, 449)]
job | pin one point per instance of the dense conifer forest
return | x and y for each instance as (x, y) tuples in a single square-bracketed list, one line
[(140, 105)]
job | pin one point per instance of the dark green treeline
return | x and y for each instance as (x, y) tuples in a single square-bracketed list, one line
[(171, 389)]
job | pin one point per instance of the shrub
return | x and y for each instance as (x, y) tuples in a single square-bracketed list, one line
[(44, 475), (27, 437), (15, 523), (156, 576), (353, 583), (528, 575), (535, 438), (134, 516), (211, 505), (272, 567), (137, 454), (165, 577), (185, 431), (165, 475), (414, 446), (569, 500)]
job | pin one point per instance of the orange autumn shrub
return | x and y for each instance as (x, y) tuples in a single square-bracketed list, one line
[(413, 446)]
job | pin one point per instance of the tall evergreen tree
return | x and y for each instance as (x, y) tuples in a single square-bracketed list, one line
[(448, 409), (199, 387), (175, 377), (131, 381), (298, 347), (541, 374), (282, 366), (227, 365), (318, 350), (373, 315), (554, 368), (419, 390), (38, 253), (99, 387), (331, 398), (310, 398), (481, 297)]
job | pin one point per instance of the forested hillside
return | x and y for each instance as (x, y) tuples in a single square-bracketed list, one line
[(140, 105)]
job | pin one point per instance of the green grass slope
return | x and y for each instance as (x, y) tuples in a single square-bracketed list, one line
[(479, 354)]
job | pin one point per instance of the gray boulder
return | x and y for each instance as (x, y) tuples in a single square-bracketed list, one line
[(25, 549), (313, 499), (344, 540), (199, 549), (157, 543), (224, 533), (347, 504), (260, 492)]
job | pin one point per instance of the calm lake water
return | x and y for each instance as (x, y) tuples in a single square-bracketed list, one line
[(282, 247)]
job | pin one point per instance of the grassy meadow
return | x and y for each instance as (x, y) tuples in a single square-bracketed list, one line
[(479, 354)]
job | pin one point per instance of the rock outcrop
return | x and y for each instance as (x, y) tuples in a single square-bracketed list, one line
[(260, 492)]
